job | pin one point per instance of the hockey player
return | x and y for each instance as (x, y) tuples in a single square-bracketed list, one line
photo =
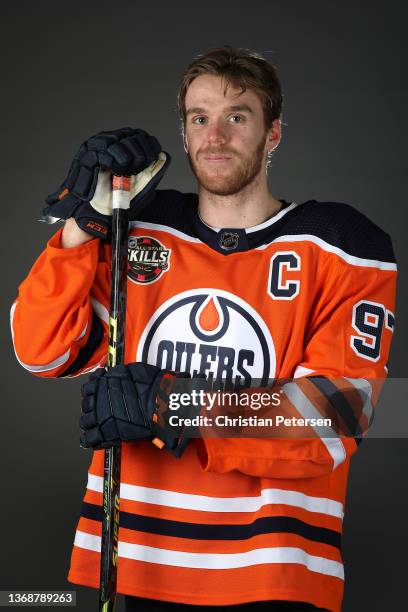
[(233, 284)]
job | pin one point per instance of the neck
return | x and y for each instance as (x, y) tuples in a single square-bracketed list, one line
[(252, 205)]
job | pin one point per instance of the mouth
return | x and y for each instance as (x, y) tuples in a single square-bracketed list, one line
[(217, 158)]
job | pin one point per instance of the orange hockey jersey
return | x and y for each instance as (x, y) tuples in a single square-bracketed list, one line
[(308, 293)]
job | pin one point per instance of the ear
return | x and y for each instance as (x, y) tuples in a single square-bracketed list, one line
[(274, 134), (184, 137), (185, 143)]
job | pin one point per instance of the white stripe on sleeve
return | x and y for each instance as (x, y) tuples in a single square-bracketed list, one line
[(55, 363), (305, 407)]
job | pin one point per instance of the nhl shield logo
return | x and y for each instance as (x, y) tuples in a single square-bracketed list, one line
[(229, 241), (148, 259)]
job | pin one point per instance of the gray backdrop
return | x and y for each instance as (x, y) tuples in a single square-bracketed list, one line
[(73, 68)]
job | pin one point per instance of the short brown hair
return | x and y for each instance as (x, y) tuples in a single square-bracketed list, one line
[(243, 69)]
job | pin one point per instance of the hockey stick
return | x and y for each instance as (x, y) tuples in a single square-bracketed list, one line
[(116, 353)]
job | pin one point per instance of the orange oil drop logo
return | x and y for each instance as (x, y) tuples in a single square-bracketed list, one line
[(209, 318)]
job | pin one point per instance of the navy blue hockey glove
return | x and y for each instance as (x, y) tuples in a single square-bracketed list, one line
[(86, 193), (131, 402)]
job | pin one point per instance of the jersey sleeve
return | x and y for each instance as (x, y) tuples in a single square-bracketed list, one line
[(59, 320), (343, 368)]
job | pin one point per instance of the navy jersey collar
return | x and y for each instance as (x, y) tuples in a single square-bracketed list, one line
[(227, 240)]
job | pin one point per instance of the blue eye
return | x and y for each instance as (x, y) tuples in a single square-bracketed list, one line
[(199, 120), (237, 118)]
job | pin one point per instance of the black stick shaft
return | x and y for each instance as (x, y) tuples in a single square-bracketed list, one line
[(116, 354)]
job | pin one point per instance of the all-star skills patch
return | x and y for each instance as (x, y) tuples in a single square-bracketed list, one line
[(148, 259)]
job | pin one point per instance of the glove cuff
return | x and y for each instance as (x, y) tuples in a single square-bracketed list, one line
[(94, 227)]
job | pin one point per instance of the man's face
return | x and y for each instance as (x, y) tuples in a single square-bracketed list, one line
[(225, 135)]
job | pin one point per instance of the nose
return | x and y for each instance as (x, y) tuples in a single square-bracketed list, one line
[(217, 133)]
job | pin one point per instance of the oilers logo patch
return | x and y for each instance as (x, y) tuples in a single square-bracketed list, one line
[(148, 259), (210, 332)]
